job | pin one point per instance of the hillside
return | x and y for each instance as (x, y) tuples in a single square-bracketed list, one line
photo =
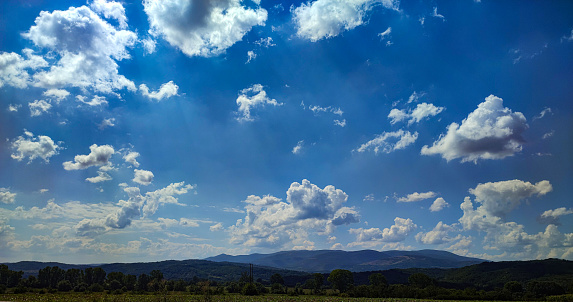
[(172, 269), (324, 261)]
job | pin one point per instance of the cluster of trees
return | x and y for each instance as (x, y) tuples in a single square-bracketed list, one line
[(338, 282)]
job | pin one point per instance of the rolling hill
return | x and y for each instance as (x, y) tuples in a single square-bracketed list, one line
[(324, 261)]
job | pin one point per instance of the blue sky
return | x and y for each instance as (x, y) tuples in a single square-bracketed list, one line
[(152, 130)]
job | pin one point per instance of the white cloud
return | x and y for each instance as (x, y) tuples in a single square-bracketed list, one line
[(543, 112), (422, 111), (568, 37), (436, 15), (143, 177), (385, 34), (166, 91), (34, 147), (128, 210), (58, 94), (251, 55), (107, 122), (341, 123), (388, 142), (38, 107), (439, 235), (500, 198), (374, 236), (490, 132), (99, 156), (251, 97), (415, 97), (164, 196), (552, 216), (131, 158), (328, 18), (270, 222), (202, 27), (216, 227), (149, 45), (13, 68), (110, 9), (96, 100), (496, 201), (6, 196), (417, 197), (438, 205), (86, 46), (14, 108), (265, 42), (298, 148), (102, 176)]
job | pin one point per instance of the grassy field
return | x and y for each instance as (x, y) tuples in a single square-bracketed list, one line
[(98, 297)]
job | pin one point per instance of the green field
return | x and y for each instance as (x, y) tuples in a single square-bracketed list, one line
[(97, 297)]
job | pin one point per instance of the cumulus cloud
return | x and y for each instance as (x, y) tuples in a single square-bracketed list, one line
[(422, 111), (166, 91), (86, 46), (495, 201), (251, 55), (164, 196), (328, 18), (110, 9), (6, 196), (417, 197), (202, 27), (552, 216), (38, 107), (490, 132), (388, 142), (99, 156), (131, 158), (107, 122), (374, 236), (438, 205), (136, 206), (57, 94), (143, 177), (439, 235), (101, 176), (254, 96), (14, 108), (14, 68), (32, 147), (298, 148), (271, 222), (95, 101), (216, 227)]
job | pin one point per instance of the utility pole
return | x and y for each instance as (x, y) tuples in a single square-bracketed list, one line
[(250, 273)]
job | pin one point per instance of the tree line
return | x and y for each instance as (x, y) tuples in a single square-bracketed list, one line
[(338, 282)]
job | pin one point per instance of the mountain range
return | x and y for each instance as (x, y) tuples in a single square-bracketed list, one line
[(324, 261)]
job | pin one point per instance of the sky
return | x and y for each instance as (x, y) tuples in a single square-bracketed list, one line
[(182, 129)]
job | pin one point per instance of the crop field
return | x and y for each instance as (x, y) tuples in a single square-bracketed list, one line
[(97, 297)]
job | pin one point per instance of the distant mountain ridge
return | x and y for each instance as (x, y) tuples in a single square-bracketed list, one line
[(324, 261)]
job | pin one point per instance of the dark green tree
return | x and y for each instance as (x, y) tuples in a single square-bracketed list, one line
[(377, 279), (156, 275), (420, 280), (142, 282), (277, 279), (318, 283), (341, 279)]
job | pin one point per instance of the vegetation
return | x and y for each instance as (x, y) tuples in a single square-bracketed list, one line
[(93, 283)]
